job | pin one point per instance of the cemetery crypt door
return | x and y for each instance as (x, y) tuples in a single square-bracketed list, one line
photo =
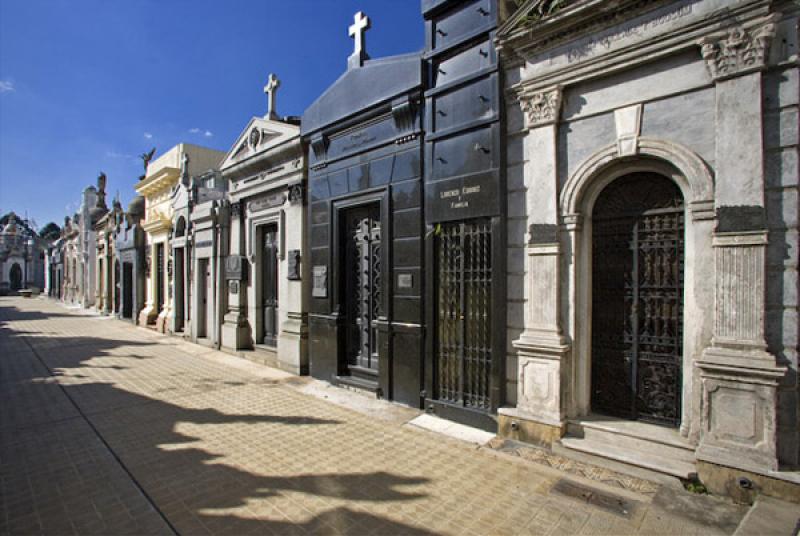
[(463, 371), (269, 284), (361, 274), (637, 299)]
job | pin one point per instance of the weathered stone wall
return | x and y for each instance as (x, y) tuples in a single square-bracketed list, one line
[(780, 90)]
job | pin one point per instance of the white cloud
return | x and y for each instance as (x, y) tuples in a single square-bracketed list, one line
[(148, 136), (206, 133), (6, 86)]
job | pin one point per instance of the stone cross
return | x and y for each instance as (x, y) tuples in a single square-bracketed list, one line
[(270, 89), (361, 24)]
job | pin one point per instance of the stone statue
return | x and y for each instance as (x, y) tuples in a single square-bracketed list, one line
[(101, 182), (147, 157)]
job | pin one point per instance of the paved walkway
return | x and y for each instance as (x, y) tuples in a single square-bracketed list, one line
[(107, 428)]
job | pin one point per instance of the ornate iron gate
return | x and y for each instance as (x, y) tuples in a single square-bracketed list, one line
[(464, 288), (362, 288), (269, 284), (637, 299)]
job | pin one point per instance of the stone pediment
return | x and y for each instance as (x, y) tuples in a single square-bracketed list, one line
[(260, 136)]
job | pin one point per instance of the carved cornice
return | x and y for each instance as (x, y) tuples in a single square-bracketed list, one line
[(738, 50), (540, 107)]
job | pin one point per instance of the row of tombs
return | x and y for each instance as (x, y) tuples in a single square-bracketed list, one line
[(571, 223)]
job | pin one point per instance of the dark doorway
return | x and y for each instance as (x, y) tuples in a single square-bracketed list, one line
[(179, 289), (127, 287), (204, 279), (361, 273), (269, 283), (15, 277), (160, 277), (463, 367), (116, 286), (637, 299)]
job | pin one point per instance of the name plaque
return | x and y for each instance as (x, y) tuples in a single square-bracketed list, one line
[(235, 268), (264, 203), (456, 199), (319, 287), (203, 244)]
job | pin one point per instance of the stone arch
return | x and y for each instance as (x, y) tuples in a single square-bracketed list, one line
[(15, 277), (180, 226), (576, 203), (694, 175)]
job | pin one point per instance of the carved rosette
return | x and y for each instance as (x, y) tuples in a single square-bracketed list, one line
[(737, 51), (540, 107)]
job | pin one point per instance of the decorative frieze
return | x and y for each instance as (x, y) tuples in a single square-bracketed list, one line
[(540, 107), (737, 51)]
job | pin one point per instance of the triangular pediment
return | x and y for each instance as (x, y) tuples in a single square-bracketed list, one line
[(259, 136)]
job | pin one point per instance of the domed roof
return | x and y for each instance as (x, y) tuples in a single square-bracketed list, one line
[(137, 205), (96, 213), (11, 226)]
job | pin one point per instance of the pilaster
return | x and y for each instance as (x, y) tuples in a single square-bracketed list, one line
[(235, 328), (541, 349), (738, 377)]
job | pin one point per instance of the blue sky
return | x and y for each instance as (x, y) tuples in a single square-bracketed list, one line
[(87, 85)]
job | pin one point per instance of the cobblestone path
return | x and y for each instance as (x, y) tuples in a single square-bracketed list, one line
[(110, 429)]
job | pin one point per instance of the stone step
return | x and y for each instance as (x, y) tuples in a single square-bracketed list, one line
[(633, 435), (638, 458), (358, 383)]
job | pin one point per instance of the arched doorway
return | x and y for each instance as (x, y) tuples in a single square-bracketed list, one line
[(637, 299), (15, 277)]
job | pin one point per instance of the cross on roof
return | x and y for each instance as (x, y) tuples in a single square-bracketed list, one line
[(270, 89), (361, 24)]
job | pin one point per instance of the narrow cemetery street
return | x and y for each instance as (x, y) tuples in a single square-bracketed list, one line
[(112, 429)]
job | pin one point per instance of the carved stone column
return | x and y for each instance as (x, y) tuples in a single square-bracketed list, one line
[(235, 332), (738, 377), (541, 349)]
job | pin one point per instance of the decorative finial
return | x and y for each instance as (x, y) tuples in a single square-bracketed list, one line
[(361, 24), (271, 89)]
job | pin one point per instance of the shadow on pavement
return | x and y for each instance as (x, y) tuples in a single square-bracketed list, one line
[(189, 484)]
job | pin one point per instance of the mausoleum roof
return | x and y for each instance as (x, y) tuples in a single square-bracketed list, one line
[(362, 87)]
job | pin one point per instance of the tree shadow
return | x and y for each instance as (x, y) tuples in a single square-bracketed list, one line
[(154, 427)]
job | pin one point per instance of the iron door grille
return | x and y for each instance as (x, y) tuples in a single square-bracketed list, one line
[(362, 285), (464, 291), (270, 284), (637, 299)]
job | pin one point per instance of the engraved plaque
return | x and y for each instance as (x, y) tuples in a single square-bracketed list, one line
[(405, 281), (235, 267), (293, 265), (233, 286), (320, 284)]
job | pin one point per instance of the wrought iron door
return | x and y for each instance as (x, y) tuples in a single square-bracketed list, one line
[(464, 315), (269, 295), (362, 284), (116, 286), (637, 299)]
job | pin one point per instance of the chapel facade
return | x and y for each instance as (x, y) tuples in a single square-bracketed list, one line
[(652, 197)]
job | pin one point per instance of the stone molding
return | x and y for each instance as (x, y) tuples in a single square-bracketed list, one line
[(540, 107), (690, 165), (738, 50)]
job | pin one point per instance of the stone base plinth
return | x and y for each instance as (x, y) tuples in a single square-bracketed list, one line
[(723, 480), (516, 425), (739, 398), (147, 316), (235, 332)]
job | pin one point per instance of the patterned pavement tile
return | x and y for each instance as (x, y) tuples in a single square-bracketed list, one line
[(108, 428)]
